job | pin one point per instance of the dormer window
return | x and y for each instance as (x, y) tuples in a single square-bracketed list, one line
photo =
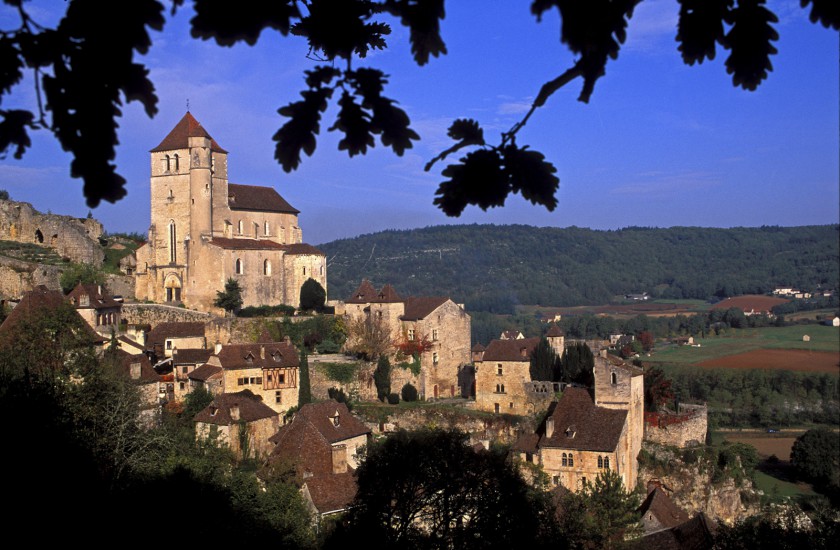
[(213, 410), (277, 356), (336, 420)]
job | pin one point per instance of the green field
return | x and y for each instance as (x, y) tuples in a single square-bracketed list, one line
[(735, 341)]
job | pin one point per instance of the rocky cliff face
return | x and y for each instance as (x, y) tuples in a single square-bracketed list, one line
[(696, 484)]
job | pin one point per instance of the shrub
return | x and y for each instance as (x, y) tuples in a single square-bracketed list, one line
[(339, 395), (393, 399), (409, 393), (281, 310), (340, 372)]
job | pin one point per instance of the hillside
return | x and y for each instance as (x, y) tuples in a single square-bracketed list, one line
[(493, 268)]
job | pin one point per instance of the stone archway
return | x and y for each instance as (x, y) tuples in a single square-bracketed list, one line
[(172, 288)]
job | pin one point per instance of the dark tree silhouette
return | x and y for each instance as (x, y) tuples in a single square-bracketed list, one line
[(229, 299), (80, 103)]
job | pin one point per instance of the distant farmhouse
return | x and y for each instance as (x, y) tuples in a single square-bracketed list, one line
[(206, 230)]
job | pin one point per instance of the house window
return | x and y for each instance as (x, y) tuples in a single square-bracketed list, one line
[(241, 227), (565, 460), (600, 462), (499, 369), (434, 334), (613, 379), (496, 407), (281, 378), (176, 162), (185, 369), (411, 335), (435, 358), (511, 405), (267, 268), (240, 381), (238, 267), (304, 274), (169, 344), (172, 235), (336, 420), (607, 462), (166, 163), (277, 397), (181, 386), (571, 460), (256, 230)]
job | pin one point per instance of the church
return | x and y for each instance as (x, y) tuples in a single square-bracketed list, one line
[(205, 230)]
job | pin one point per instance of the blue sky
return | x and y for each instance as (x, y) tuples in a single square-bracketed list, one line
[(660, 143)]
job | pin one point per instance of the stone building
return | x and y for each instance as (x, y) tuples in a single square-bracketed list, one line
[(205, 230), (434, 328), (98, 308), (241, 420)]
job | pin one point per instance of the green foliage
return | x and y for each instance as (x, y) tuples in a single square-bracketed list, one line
[(724, 262), (409, 393), (430, 489), (545, 364), (736, 461), (382, 378), (304, 391), (340, 372), (281, 310), (312, 295), (196, 401), (413, 366), (86, 274), (787, 530), (393, 399), (816, 457), (229, 299)]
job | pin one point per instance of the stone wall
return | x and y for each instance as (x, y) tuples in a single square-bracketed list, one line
[(73, 238), (154, 314), (18, 277), (679, 430)]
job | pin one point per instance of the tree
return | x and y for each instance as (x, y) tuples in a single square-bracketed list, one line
[(577, 365), (646, 340), (4, 195), (409, 393), (304, 391), (66, 61), (312, 295), (816, 457), (545, 365), (86, 274), (430, 489), (369, 337), (230, 299), (657, 389), (382, 378)]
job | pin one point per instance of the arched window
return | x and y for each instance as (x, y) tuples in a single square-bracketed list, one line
[(565, 460), (241, 227), (267, 267), (166, 163), (571, 460), (613, 379), (607, 462), (238, 268), (172, 236), (503, 388), (256, 230), (600, 462), (176, 162), (304, 272), (266, 231), (498, 388)]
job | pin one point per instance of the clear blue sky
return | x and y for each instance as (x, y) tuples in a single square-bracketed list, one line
[(660, 143)]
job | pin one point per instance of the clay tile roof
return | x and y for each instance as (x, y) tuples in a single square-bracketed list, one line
[(192, 356), (388, 295), (162, 331), (269, 355), (555, 331), (663, 508), (246, 244), (257, 197), (580, 425), (478, 347), (147, 373), (302, 249), (98, 299), (527, 443), (42, 301), (510, 350), (251, 409), (332, 493), (362, 295), (204, 372), (695, 534), (419, 307), (321, 415), (186, 128)]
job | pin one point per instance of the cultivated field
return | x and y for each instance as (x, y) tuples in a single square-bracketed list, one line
[(779, 359), (766, 444)]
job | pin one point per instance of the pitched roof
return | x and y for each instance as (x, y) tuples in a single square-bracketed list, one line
[(162, 331), (695, 534), (257, 197), (146, 374), (269, 355), (321, 416), (580, 425), (362, 295), (419, 307), (186, 128), (663, 508), (251, 408), (388, 295), (555, 331), (246, 244), (193, 356), (204, 372), (334, 492), (510, 350), (97, 298), (38, 302), (302, 249), (478, 347)]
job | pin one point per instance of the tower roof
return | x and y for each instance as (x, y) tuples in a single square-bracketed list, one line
[(186, 128)]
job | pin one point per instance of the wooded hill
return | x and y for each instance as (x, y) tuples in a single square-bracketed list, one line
[(495, 267)]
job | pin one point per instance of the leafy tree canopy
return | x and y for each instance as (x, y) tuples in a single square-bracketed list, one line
[(312, 295), (816, 456), (80, 104)]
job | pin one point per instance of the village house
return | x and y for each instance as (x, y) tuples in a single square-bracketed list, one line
[(659, 512), (322, 444), (268, 369), (434, 328), (205, 230), (184, 362), (241, 420), (167, 337), (138, 369), (97, 308)]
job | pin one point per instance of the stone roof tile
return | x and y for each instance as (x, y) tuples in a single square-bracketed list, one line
[(580, 425), (219, 411), (510, 350), (258, 198), (186, 128)]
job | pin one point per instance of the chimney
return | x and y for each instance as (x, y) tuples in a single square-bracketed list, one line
[(339, 459), (217, 348), (549, 426), (262, 352), (234, 413), (603, 352)]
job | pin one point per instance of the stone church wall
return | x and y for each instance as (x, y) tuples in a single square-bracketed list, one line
[(679, 430)]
